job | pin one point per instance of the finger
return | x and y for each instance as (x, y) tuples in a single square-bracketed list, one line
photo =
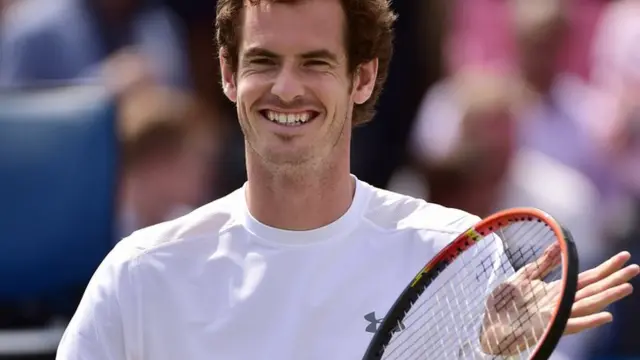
[(540, 268), (576, 325), (603, 270), (599, 301), (615, 279)]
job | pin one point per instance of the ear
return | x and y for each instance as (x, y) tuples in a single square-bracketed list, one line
[(228, 79), (364, 81)]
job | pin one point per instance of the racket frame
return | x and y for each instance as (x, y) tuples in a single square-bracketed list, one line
[(486, 227)]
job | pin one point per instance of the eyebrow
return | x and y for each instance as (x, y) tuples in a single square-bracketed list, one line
[(315, 54), (259, 52)]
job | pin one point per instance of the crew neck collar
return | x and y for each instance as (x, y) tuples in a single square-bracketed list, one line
[(339, 227)]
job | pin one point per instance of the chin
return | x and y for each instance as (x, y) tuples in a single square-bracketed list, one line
[(280, 155), (287, 158)]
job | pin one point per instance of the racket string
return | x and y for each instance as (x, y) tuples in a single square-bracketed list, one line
[(439, 329), (526, 316), (460, 308), (437, 294), (431, 319)]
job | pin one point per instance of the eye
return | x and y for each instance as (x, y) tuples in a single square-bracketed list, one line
[(262, 61), (316, 64)]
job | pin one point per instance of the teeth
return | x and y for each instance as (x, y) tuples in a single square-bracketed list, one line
[(288, 118)]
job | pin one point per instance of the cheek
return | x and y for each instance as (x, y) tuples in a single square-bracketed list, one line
[(334, 92), (250, 89)]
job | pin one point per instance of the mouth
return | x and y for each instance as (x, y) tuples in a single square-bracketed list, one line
[(297, 118)]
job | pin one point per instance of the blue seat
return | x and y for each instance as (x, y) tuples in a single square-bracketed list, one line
[(58, 180)]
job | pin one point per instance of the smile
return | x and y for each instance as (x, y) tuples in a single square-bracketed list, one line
[(289, 118)]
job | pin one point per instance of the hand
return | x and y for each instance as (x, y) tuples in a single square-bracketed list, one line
[(519, 310)]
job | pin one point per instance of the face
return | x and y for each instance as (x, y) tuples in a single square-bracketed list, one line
[(540, 53), (493, 132), (183, 177), (293, 91)]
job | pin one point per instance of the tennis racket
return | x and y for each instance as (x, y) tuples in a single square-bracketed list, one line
[(504, 289)]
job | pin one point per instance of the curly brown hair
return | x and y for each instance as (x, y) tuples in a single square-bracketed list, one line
[(369, 36)]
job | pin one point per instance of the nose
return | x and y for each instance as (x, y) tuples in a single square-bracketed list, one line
[(287, 86)]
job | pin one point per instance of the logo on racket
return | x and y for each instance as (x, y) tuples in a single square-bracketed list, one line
[(473, 235)]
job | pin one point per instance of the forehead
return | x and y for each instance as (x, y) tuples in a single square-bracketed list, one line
[(294, 26)]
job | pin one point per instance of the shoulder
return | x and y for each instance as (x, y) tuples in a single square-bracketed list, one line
[(390, 211)]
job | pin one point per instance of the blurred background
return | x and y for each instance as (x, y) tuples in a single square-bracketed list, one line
[(112, 119)]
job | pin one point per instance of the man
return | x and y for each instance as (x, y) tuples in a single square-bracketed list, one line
[(293, 264)]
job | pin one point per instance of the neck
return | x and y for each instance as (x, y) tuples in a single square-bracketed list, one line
[(305, 198)]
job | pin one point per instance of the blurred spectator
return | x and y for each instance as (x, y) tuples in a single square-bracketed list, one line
[(170, 143), (555, 119), (616, 76), (540, 29), (463, 139), (615, 127), (4, 5), (117, 40), (467, 155), (482, 34)]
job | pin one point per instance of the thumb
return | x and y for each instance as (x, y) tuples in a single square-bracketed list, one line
[(546, 263)]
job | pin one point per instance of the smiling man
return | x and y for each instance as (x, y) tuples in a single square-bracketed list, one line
[(304, 259)]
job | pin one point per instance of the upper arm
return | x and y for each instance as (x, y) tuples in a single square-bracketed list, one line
[(97, 330)]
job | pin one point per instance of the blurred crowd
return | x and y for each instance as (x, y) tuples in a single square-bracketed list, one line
[(489, 105)]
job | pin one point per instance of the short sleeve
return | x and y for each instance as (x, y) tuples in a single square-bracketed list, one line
[(97, 329)]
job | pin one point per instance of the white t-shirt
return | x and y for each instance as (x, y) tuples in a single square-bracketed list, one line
[(217, 284)]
